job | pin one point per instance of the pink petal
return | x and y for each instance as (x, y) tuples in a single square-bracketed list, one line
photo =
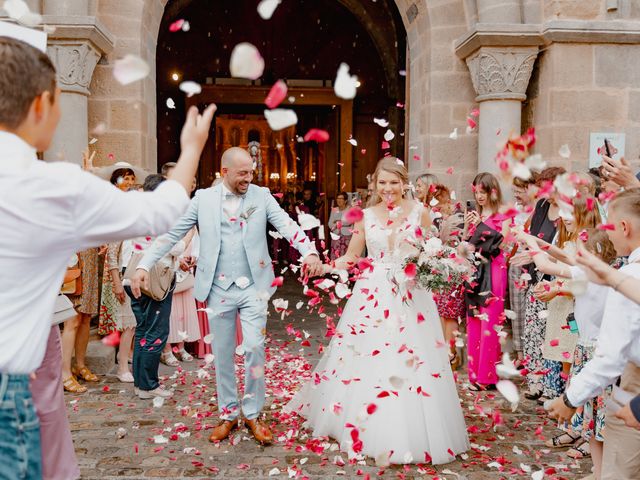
[(112, 340), (317, 135), (276, 95), (354, 215), (177, 25)]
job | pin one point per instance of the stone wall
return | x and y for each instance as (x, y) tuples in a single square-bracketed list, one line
[(584, 88), (441, 94)]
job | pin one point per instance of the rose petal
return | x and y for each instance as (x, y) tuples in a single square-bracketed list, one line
[(246, 62), (267, 7), (130, 69), (280, 118), (190, 88), (316, 135), (276, 95), (345, 85)]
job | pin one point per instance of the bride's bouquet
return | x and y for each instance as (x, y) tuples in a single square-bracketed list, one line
[(436, 266)]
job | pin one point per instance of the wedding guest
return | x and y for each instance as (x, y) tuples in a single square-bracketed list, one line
[(587, 425), (86, 213), (451, 302), (339, 227), (617, 352), (619, 172), (152, 320), (423, 186), (183, 319), (116, 260), (75, 335), (543, 225), (124, 179), (486, 229), (166, 168), (524, 203), (560, 342)]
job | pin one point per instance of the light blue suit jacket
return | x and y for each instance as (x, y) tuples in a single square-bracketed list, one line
[(205, 211)]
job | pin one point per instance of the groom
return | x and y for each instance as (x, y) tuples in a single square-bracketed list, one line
[(235, 274)]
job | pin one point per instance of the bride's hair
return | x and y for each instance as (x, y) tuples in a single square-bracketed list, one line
[(391, 165)]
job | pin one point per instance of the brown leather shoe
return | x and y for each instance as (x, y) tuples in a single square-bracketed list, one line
[(222, 430), (259, 430)]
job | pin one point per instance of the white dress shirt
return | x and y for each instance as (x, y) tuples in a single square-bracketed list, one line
[(230, 201), (589, 307), (618, 343), (49, 211)]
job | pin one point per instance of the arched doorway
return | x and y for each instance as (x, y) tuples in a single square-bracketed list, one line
[(303, 43)]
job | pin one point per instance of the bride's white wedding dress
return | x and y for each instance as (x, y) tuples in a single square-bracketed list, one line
[(384, 387)]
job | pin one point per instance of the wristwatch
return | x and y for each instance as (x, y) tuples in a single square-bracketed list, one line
[(566, 401)]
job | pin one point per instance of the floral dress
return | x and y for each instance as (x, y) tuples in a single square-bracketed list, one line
[(109, 305), (87, 301)]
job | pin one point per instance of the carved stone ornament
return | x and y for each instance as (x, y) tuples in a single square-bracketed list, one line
[(501, 74), (74, 63)]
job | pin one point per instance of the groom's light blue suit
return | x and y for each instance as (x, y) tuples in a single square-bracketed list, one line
[(234, 274)]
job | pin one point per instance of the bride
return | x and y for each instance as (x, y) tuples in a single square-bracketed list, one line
[(384, 388)]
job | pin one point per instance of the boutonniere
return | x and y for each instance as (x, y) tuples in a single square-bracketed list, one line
[(248, 212)]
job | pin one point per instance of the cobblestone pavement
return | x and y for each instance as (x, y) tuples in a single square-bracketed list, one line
[(118, 435)]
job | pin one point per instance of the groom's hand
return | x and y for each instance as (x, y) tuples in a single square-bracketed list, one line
[(312, 266)]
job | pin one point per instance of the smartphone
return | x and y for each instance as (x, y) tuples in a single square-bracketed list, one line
[(607, 148), (470, 206)]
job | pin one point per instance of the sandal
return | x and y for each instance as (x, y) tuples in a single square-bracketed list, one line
[(557, 442), (184, 356), (579, 451), (169, 359), (532, 396), (85, 374), (72, 385), (477, 387)]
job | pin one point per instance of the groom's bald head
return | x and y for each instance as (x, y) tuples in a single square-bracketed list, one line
[(237, 169)]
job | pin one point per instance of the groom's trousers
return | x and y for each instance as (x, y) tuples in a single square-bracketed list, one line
[(224, 305)]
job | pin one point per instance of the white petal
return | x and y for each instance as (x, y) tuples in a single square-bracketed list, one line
[(381, 121), (183, 334), (535, 162), (242, 282), (308, 222), (508, 390), (539, 475), (280, 118), (170, 103), (130, 69), (520, 170), (389, 135), (564, 151), (325, 284), (160, 439), (246, 62), (454, 135), (564, 186), (353, 142), (342, 290), (239, 350), (208, 338), (267, 7), (274, 471), (158, 402), (209, 358), (186, 26), (334, 236), (345, 85), (396, 382), (16, 8), (190, 88), (208, 311)]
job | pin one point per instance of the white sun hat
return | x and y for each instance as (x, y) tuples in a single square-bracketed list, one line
[(105, 172)]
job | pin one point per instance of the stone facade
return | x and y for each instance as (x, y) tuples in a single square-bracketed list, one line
[(462, 54)]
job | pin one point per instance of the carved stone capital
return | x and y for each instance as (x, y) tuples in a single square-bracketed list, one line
[(75, 62), (501, 73)]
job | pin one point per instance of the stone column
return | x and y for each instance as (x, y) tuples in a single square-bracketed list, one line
[(75, 47), (500, 77)]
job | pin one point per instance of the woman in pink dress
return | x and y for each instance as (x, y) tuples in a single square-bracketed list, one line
[(485, 297)]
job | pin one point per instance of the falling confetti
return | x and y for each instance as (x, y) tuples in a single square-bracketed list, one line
[(564, 151), (19, 11), (190, 88), (267, 7), (130, 69), (381, 122), (345, 85), (276, 95), (280, 118), (246, 62), (170, 103), (316, 135)]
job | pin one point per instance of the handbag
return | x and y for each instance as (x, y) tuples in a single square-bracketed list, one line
[(184, 282), (160, 277), (72, 283), (62, 310)]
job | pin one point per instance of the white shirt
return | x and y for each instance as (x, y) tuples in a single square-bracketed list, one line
[(230, 201), (618, 343), (589, 307), (49, 211)]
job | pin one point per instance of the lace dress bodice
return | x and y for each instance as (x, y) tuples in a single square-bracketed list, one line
[(388, 244)]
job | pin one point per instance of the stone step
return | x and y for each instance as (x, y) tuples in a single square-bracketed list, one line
[(100, 358)]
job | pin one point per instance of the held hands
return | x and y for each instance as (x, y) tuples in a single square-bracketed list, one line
[(312, 266), (545, 291), (196, 128), (139, 279)]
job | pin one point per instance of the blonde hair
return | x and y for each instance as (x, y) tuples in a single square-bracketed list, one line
[(390, 165), (583, 217)]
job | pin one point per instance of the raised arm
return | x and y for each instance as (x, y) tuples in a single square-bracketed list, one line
[(541, 259)]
